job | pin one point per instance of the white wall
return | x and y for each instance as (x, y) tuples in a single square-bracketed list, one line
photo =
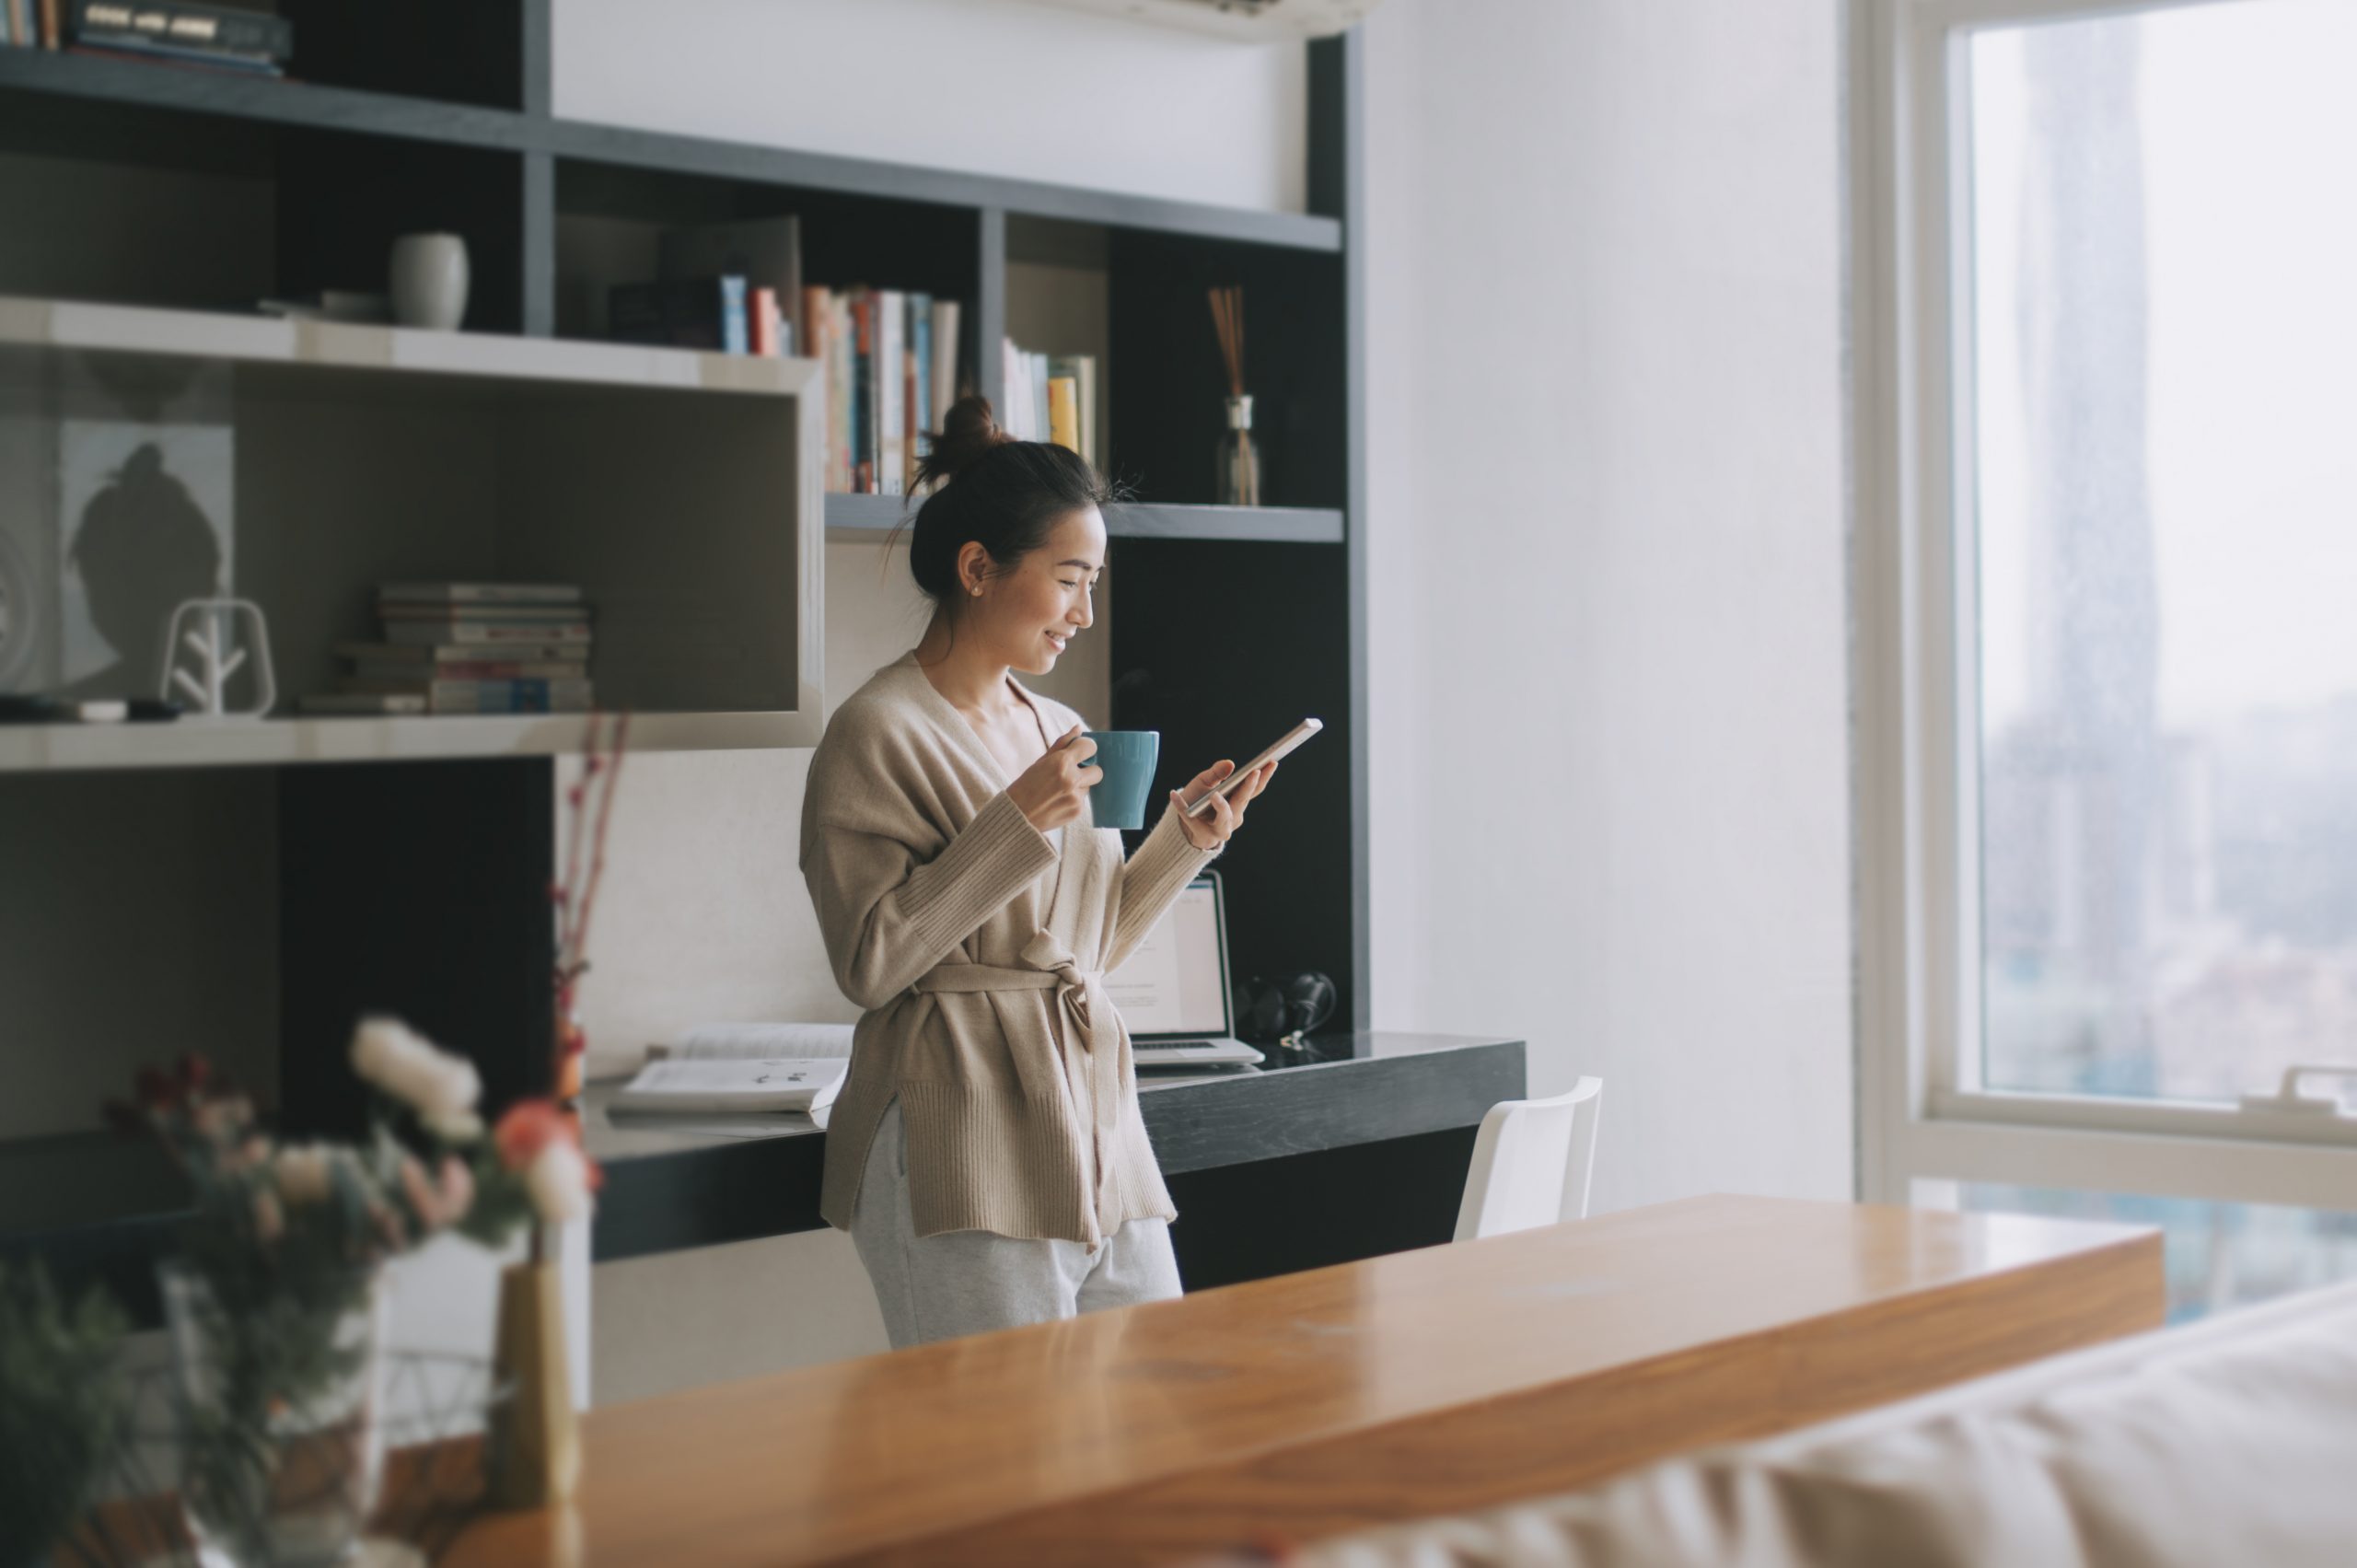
[(1609, 734), (989, 86)]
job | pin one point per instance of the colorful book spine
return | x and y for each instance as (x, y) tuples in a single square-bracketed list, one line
[(397, 672), (866, 435), (736, 331), (921, 423), (479, 593), (891, 391), (766, 324), (843, 364), (415, 656), (1064, 413), (540, 633), (946, 313)]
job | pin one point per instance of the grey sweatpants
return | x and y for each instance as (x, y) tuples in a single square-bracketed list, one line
[(970, 1282)]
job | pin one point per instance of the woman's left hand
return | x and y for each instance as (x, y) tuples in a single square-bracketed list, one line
[(1227, 810)]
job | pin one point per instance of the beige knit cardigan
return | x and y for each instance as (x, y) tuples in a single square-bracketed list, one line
[(977, 946)]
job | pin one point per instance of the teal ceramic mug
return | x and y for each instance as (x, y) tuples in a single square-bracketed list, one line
[(1117, 800)]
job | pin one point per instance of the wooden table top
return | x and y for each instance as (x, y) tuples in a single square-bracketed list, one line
[(1289, 1408)]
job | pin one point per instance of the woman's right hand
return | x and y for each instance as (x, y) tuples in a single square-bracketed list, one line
[(1054, 790)]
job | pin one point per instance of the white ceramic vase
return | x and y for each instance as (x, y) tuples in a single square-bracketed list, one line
[(429, 281)]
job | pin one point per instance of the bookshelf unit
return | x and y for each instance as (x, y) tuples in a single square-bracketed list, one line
[(195, 193), (443, 454)]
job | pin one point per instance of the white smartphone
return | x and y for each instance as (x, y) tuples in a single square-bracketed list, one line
[(1294, 736)]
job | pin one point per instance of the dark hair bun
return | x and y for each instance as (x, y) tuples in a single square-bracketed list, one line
[(1008, 496), (969, 432)]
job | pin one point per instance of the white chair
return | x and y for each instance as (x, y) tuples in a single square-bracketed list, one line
[(1532, 1163)]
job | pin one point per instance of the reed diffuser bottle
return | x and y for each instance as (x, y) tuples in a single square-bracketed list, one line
[(1236, 482)]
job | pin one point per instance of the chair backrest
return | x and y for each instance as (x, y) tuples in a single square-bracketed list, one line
[(1532, 1162)]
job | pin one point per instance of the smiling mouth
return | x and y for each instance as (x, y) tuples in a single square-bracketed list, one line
[(1058, 643)]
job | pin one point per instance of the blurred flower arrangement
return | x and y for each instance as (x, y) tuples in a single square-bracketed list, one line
[(274, 1296)]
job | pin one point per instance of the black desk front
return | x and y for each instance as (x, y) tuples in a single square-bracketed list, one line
[(1357, 1152)]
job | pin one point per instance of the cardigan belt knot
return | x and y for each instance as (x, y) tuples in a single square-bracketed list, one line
[(1079, 995)]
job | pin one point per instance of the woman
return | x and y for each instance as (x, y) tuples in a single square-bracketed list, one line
[(986, 1152)]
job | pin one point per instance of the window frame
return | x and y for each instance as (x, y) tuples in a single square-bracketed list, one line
[(1923, 1114)]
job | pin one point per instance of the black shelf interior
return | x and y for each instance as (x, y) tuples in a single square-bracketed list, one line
[(610, 216), (163, 207), (1276, 606), (455, 50), (1169, 386)]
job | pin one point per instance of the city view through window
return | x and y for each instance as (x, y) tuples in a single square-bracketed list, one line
[(2162, 455)]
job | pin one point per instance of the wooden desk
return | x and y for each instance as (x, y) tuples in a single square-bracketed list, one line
[(1424, 1382)]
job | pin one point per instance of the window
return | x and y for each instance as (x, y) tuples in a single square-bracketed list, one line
[(2108, 562), (2218, 1255)]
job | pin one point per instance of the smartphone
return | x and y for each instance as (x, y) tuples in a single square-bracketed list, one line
[(1294, 736)]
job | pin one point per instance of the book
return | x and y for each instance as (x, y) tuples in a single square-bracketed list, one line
[(511, 614), (185, 24), (725, 1085), (179, 59), (396, 672), (921, 423), (1035, 381), (765, 253), (363, 703), (1014, 414), (892, 392), (462, 652), (1082, 368), (766, 325), (91, 40), (537, 633), (864, 432), (1063, 411), (840, 359), (945, 359), (479, 593)]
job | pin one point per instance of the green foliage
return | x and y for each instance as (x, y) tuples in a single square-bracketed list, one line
[(64, 1405)]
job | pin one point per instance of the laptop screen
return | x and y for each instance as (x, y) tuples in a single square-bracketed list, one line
[(1173, 983)]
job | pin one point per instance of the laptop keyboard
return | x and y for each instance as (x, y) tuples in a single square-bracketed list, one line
[(1145, 1045)]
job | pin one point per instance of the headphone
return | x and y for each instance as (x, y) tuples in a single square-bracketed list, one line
[(1286, 1009)]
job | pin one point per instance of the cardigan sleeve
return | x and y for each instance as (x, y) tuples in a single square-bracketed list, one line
[(887, 920), (1151, 879)]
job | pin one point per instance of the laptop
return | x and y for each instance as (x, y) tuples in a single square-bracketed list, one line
[(1173, 991)]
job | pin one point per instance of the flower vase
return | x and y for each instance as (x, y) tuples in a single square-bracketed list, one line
[(279, 1386), (536, 1443)]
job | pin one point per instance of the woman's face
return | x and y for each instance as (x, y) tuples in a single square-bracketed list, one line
[(1027, 615)]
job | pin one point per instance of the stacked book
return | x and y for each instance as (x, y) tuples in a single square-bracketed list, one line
[(469, 648), (1050, 398), (168, 32)]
